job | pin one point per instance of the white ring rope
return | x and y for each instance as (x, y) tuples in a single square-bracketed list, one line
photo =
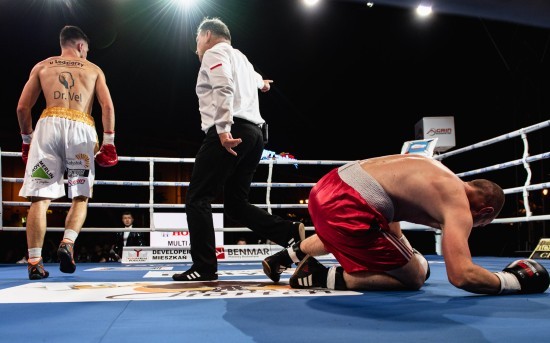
[(268, 190), (527, 168), (497, 139)]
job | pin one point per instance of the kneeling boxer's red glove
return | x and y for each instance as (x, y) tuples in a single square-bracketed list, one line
[(107, 155)]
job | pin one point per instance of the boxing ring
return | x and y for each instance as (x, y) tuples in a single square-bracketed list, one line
[(114, 302), (524, 162)]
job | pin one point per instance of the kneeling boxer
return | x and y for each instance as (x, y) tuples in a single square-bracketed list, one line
[(356, 210)]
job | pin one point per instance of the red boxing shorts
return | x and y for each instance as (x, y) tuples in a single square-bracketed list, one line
[(350, 228)]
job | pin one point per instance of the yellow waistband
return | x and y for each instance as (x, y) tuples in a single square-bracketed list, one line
[(67, 113)]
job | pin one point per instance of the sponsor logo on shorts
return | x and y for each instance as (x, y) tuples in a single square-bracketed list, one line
[(41, 171), (76, 182), (41, 182), (77, 172), (82, 160), (85, 159)]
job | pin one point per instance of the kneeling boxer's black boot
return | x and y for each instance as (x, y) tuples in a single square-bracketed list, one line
[(310, 273), (276, 264)]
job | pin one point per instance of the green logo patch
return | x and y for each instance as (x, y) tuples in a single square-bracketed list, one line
[(40, 173)]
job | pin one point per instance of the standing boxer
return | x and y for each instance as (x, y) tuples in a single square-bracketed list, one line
[(65, 139)]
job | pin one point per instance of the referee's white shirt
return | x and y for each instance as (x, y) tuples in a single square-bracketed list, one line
[(227, 87)]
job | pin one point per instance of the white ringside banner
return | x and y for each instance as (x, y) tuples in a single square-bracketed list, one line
[(228, 253), (178, 238)]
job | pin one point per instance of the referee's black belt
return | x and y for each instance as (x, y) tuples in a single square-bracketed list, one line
[(244, 121)]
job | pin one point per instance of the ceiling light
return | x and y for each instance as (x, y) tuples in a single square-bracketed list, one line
[(424, 9)]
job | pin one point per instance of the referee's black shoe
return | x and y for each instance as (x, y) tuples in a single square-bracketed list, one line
[(193, 275)]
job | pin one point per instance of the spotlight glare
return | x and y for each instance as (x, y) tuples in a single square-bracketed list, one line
[(310, 3), (424, 10), (183, 3)]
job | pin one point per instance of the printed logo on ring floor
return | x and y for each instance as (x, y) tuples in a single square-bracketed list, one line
[(60, 292)]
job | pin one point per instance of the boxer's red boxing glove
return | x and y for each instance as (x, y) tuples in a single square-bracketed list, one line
[(107, 156), (523, 276), (25, 146)]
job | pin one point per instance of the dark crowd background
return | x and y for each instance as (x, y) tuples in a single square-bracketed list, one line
[(350, 82)]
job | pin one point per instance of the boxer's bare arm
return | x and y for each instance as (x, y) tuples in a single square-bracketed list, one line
[(444, 198), (106, 102), (28, 98), (461, 271)]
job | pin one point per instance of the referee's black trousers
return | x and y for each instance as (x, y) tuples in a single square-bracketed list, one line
[(215, 171)]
